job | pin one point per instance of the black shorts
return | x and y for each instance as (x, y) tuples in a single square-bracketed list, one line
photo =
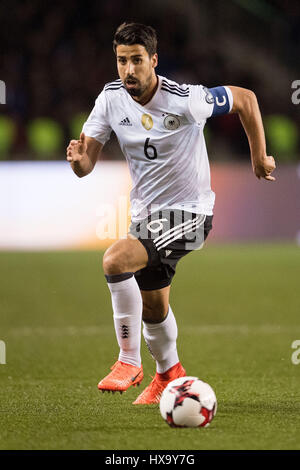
[(168, 235)]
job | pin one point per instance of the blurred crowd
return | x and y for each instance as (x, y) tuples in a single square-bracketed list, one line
[(57, 56)]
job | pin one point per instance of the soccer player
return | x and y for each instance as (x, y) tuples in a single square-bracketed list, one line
[(159, 125)]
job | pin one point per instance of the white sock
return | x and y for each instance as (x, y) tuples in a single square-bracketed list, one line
[(127, 307), (161, 341)]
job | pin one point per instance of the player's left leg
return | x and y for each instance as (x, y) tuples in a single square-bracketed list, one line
[(160, 328), (165, 247), (160, 333)]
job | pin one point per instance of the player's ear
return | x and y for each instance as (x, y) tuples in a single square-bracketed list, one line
[(154, 60)]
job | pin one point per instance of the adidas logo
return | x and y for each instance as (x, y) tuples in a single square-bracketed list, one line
[(125, 122)]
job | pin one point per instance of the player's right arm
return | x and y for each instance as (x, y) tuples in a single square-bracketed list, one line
[(83, 154)]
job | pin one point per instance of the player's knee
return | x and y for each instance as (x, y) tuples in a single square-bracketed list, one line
[(112, 264)]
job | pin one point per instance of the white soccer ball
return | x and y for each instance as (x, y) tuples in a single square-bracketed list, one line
[(188, 402)]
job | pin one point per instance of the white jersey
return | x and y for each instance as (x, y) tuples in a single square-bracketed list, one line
[(163, 142)]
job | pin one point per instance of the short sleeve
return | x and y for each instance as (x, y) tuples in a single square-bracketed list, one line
[(97, 125), (207, 102)]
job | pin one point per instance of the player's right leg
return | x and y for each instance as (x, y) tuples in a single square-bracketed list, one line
[(120, 261)]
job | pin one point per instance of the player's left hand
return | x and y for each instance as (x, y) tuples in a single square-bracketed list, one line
[(265, 168)]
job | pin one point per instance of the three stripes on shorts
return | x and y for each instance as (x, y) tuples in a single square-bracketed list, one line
[(178, 232)]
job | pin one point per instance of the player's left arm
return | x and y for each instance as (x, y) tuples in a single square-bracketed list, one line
[(246, 106)]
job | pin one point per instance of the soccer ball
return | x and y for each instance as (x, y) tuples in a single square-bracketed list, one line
[(188, 402)]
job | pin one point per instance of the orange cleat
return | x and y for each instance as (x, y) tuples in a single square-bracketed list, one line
[(121, 378), (152, 393)]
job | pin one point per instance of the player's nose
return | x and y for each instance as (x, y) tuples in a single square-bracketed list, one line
[(131, 68)]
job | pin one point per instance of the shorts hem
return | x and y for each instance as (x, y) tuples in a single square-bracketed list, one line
[(157, 287)]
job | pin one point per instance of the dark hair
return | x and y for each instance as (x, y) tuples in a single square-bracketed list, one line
[(136, 33)]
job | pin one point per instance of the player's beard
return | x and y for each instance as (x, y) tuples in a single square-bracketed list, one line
[(139, 89)]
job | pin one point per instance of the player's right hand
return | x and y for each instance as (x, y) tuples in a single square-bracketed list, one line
[(77, 149), (265, 168)]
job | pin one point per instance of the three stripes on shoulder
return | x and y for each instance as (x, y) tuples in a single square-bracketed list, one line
[(172, 88)]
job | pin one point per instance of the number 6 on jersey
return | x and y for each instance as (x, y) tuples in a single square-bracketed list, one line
[(153, 151)]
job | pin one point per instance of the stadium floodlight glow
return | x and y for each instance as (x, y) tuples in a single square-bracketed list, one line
[(2, 92)]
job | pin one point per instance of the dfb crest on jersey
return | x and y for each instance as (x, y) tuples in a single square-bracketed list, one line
[(208, 96), (171, 122)]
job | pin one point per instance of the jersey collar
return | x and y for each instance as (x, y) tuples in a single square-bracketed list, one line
[(154, 100)]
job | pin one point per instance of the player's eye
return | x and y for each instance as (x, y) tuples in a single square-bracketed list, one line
[(122, 61)]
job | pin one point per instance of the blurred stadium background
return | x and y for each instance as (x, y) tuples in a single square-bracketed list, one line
[(56, 58)]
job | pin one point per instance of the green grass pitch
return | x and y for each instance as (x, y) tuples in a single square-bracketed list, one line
[(237, 309)]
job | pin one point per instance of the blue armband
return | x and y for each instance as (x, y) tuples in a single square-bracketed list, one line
[(219, 97)]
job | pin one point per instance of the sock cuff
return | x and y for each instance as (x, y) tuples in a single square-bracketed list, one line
[(154, 325), (112, 278)]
